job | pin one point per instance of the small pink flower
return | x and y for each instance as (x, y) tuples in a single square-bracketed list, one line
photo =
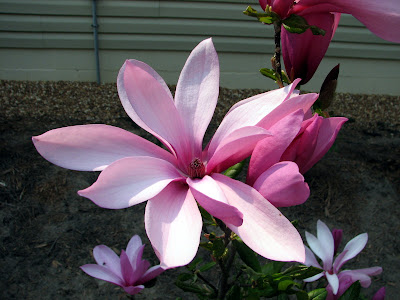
[(302, 53), (176, 179), (338, 281), (380, 294), (128, 271)]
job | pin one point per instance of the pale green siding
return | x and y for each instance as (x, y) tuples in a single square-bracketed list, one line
[(53, 40)]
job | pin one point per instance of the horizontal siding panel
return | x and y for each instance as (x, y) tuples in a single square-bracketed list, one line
[(47, 7), (179, 43), (76, 24)]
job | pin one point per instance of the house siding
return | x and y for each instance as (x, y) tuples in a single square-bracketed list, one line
[(53, 40)]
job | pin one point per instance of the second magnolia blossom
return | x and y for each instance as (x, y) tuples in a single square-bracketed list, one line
[(175, 180), (324, 246), (301, 139)]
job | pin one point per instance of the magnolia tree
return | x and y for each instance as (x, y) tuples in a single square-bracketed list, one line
[(192, 195)]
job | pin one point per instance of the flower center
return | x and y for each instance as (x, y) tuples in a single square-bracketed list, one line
[(196, 169)]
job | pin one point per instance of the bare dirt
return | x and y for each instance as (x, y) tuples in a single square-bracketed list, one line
[(48, 231)]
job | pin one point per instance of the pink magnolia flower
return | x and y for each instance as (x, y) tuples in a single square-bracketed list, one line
[(297, 139), (338, 281), (302, 53), (128, 271), (135, 170)]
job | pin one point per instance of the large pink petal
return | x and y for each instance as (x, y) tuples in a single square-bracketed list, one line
[(269, 151), (283, 185), (129, 181), (302, 53), (93, 147), (381, 17), (291, 105), (249, 112), (265, 230), (327, 133), (352, 248), (197, 92), (102, 273), (210, 196), (106, 257), (173, 225), (235, 147), (150, 106)]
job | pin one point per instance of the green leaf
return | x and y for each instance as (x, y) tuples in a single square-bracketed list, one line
[(282, 297), (247, 255), (273, 267), (235, 170), (285, 284), (317, 31), (207, 266), (194, 263), (207, 218), (301, 272), (207, 245), (234, 293), (219, 249), (266, 19), (268, 73), (302, 295), (318, 294), (353, 292), (185, 277)]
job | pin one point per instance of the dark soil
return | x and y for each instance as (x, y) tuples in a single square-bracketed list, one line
[(48, 231)]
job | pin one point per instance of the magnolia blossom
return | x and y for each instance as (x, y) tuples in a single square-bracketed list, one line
[(338, 281), (301, 139), (302, 53), (128, 271), (176, 180)]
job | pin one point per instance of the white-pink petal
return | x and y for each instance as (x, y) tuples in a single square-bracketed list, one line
[(197, 92), (130, 181), (333, 282), (235, 147), (173, 225), (249, 112), (102, 273), (150, 274), (325, 238), (265, 230), (310, 259), (352, 248), (150, 106), (210, 196), (134, 245), (316, 247), (106, 257), (93, 147)]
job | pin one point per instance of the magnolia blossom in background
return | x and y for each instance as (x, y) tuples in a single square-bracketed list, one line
[(338, 281), (299, 138), (128, 271), (302, 53), (380, 294), (135, 170)]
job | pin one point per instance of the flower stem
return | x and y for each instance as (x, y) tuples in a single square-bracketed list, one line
[(276, 59)]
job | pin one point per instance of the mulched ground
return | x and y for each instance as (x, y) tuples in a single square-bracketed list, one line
[(48, 231)]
